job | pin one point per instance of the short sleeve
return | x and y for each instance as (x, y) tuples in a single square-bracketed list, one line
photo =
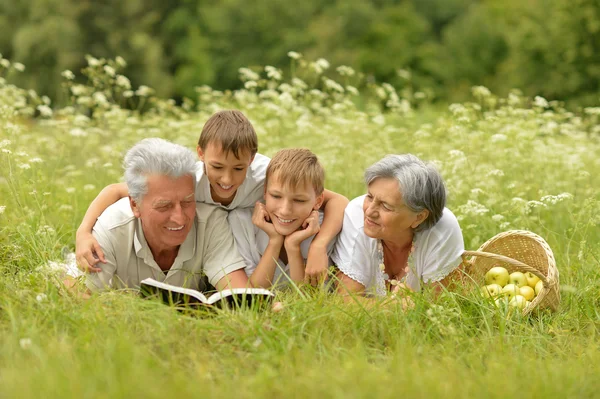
[(221, 255), (352, 253), (253, 188), (443, 249), (242, 227), (103, 279)]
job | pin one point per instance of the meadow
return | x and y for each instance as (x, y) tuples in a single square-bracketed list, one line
[(509, 163)]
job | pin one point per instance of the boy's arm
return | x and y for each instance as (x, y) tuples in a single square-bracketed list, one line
[(87, 250), (333, 216), (264, 273)]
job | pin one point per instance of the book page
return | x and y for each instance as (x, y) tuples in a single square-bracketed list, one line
[(173, 288), (239, 291)]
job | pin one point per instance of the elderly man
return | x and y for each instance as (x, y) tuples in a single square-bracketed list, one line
[(160, 231)]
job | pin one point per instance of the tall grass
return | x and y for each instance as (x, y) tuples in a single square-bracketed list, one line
[(508, 163)]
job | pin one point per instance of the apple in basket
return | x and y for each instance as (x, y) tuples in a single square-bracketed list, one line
[(518, 279), (532, 279), (518, 302), (527, 292), (511, 290), (538, 287), (491, 290), (497, 275)]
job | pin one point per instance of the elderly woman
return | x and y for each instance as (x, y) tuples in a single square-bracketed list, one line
[(400, 230)]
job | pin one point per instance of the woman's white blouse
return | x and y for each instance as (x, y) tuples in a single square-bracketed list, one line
[(437, 251)]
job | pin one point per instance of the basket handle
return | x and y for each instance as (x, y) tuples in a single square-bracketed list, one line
[(506, 259)]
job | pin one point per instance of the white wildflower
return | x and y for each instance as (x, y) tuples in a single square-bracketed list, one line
[(248, 74), (352, 90), (496, 138), (5, 63), (2, 209), (497, 218), (128, 93), (323, 63), (25, 166), (68, 74), (25, 343), (120, 61), (294, 55), (480, 92), (4, 143), (504, 225), (19, 67), (403, 73), (45, 111), (345, 70), (70, 190), (273, 73), (78, 90), (100, 98), (123, 82), (77, 132), (540, 102), (110, 71), (251, 84), (379, 120), (89, 187), (65, 207), (144, 91), (93, 62), (41, 297), (473, 208), (6, 151), (333, 85)]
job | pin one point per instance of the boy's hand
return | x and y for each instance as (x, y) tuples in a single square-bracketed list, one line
[(261, 219), (310, 227), (88, 253), (316, 265)]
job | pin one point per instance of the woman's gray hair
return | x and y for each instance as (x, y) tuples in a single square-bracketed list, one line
[(420, 183), (155, 157)]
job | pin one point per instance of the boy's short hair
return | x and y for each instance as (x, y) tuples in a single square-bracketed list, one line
[(232, 130), (297, 166)]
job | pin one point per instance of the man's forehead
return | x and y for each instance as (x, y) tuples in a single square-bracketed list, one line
[(166, 200)]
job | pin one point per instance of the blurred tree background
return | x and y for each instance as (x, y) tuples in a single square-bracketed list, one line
[(544, 47)]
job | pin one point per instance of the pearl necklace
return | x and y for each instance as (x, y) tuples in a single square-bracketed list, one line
[(380, 255)]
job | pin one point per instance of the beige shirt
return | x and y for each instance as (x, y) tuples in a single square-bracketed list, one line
[(208, 249)]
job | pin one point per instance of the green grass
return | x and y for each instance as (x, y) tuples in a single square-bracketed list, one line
[(501, 158)]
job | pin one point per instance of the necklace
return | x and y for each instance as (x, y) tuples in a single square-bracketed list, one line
[(381, 259)]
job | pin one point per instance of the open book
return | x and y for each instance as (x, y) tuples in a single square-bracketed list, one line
[(236, 297)]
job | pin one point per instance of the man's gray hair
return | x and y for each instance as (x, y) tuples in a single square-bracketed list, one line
[(420, 183), (155, 157)]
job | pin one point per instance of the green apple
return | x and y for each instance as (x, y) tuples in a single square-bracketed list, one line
[(491, 290), (511, 290), (538, 287), (527, 292), (518, 279), (518, 302), (532, 279), (497, 275), (501, 303)]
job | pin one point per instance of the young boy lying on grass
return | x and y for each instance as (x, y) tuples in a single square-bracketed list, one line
[(274, 239), (230, 174)]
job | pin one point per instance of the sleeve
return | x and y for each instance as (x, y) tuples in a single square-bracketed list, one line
[(351, 254), (221, 255), (254, 185), (444, 250), (103, 279), (242, 228)]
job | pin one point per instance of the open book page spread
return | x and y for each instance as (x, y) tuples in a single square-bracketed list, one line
[(178, 295)]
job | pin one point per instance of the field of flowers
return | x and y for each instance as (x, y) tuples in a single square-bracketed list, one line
[(509, 163)]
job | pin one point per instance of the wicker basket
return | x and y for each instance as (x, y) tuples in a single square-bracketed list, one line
[(523, 251)]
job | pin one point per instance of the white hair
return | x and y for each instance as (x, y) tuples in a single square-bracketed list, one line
[(155, 156), (420, 183)]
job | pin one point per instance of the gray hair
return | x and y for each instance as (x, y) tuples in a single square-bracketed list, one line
[(155, 157), (420, 183)]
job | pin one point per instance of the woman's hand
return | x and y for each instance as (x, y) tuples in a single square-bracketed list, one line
[(262, 220)]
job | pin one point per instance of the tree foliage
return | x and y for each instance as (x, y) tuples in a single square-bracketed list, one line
[(545, 47)]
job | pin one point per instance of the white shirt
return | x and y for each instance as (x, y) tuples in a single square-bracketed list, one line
[(437, 251), (251, 190), (252, 243), (209, 249)]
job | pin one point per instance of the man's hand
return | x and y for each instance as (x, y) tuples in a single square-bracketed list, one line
[(261, 219), (88, 253)]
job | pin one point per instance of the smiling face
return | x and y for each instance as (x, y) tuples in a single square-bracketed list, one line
[(167, 211), (386, 215), (288, 207), (224, 170)]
